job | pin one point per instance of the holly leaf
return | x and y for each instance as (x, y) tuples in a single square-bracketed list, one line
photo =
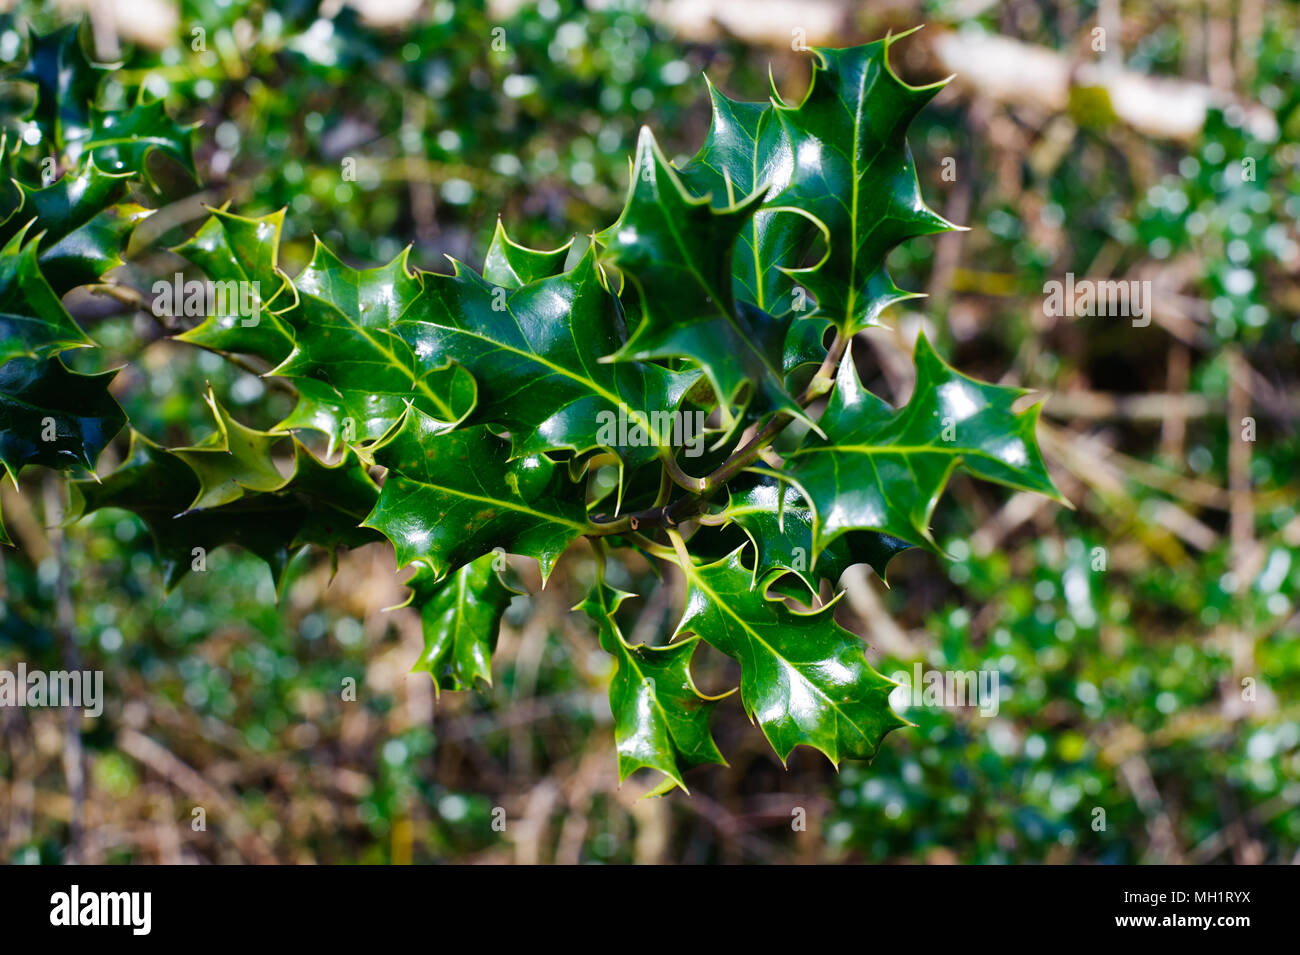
[(332, 499), (804, 344), (535, 353), (54, 417), (231, 461), (231, 248), (676, 251), (779, 522), (511, 265), (853, 171), (660, 719), (318, 504), (460, 615), (86, 254), (452, 496), (883, 469), (748, 150), (355, 375), (65, 204), (33, 322), (80, 223), (803, 678), (67, 83), (123, 140)]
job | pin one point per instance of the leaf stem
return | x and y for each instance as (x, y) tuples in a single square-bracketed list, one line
[(821, 383), (655, 550), (679, 545), (673, 470)]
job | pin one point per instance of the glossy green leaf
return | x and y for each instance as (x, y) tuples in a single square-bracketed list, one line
[(80, 222), (461, 616), (747, 149), (123, 140), (511, 265), (452, 496), (231, 248), (661, 720), (883, 469), (66, 86), (536, 352), (231, 462), (86, 254), (33, 322), (804, 344), (853, 171), (332, 500), (355, 375), (54, 417), (676, 250), (803, 678), (779, 521), (65, 204), (318, 504)]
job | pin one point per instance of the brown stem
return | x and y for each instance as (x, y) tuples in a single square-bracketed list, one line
[(821, 383)]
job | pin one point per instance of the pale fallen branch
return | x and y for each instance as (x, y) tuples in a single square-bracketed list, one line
[(1095, 405), (1012, 72)]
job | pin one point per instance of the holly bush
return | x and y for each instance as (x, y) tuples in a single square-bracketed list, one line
[(680, 387)]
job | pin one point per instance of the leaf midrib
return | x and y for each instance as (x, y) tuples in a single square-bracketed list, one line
[(520, 508), (418, 381), (695, 577)]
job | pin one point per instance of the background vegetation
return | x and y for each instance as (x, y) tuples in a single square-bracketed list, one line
[(1122, 681)]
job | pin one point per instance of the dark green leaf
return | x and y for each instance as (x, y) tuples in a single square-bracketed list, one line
[(747, 149), (511, 265), (676, 252), (461, 617), (33, 322), (231, 462), (84, 256), (231, 248), (122, 141), (355, 376), (883, 470), (53, 417), (660, 718), (316, 505), (853, 171), (780, 523), (66, 204), (66, 86), (453, 496), (803, 678), (536, 353)]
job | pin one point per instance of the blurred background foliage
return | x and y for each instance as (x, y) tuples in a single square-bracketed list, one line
[(1145, 641)]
